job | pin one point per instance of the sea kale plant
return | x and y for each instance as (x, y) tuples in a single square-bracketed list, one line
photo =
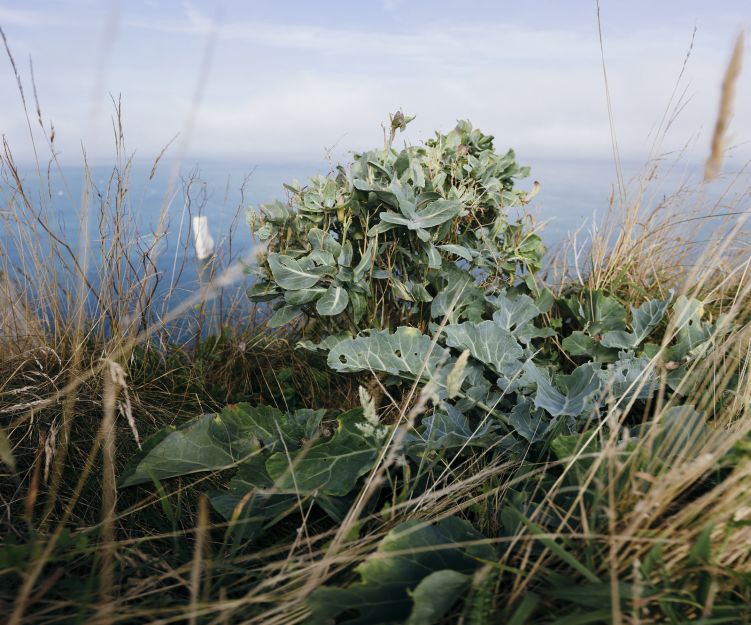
[(375, 243), (405, 265)]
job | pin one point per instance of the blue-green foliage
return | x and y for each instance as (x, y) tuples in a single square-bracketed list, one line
[(410, 256)]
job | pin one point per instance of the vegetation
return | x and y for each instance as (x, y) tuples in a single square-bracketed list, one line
[(423, 427)]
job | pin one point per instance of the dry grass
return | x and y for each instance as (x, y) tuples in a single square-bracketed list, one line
[(77, 392)]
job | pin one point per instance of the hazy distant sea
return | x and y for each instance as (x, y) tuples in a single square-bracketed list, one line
[(572, 193)]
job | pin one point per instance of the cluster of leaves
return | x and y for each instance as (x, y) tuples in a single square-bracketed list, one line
[(371, 245), (416, 246)]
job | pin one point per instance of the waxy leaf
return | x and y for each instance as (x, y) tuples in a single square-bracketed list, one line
[(333, 301), (331, 467), (644, 320), (578, 390), (292, 275), (386, 592), (283, 315), (217, 442), (404, 352), (486, 341)]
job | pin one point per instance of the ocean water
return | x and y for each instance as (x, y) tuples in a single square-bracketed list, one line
[(573, 193)]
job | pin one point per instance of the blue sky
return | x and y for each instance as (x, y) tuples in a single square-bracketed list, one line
[(284, 81)]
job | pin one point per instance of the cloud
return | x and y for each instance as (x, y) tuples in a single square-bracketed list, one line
[(286, 91)]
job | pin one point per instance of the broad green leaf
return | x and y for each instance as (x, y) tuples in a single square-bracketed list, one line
[(467, 298), (333, 301), (434, 258), (331, 467), (578, 390), (303, 296), (326, 344), (512, 313), (403, 352), (581, 344), (435, 595), (216, 442), (487, 341), (438, 212), (600, 313), (516, 314), (276, 212), (629, 377), (318, 258), (206, 443), (447, 428), (691, 333), (283, 315), (528, 422), (263, 292), (364, 265), (385, 591), (290, 274), (457, 250), (345, 256), (433, 214), (644, 320), (321, 240)]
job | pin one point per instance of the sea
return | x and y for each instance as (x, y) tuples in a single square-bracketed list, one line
[(575, 194)]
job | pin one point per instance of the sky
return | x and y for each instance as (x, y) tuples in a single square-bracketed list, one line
[(275, 82)]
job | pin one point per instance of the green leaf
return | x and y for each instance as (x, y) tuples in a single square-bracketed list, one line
[(283, 315), (438, 212), (303, 296), (579, 387), (530, 424), (461, 290), (345, 256), (364, 265), (403, 352), (331, 467), (434, 214), (321, 240), (630, 377), (512, 313), (276, 212), (263, 292), (486, 341), (644, 320), (434, 258), (435, 595), (516, 314), (207, 443), (291, 275), (457, 250), (217, 442), (581, 344), (600, 313), (384, 593), (448, 428), (333, 301)]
